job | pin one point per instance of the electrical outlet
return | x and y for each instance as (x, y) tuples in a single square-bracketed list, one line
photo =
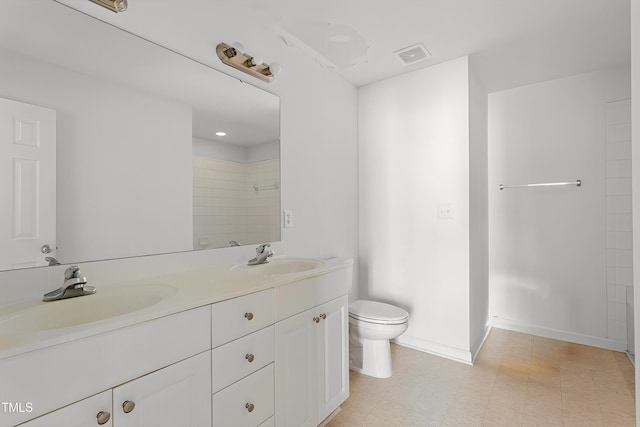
[(288, 218), (445, 211)]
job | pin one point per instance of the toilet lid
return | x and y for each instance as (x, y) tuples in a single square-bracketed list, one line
[(377, 312)]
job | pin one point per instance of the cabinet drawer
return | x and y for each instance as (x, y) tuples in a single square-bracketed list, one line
[(237, 359), (231, 406), (240, 316)]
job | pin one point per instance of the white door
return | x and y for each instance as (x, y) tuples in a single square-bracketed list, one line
[(296, 378), (333, 352), (27, 184), (178, 395), (93, 411)]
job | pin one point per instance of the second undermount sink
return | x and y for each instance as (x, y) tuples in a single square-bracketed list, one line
[(279, 266), (108, 302)]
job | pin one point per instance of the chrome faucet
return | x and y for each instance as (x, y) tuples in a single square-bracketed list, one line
[(262, 255), (52, 261), (75, 285)]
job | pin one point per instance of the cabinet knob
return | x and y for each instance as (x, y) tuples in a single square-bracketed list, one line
[(249, 407), (128, 406), (103, 417), (323, 316), (248, 315), (249, 357), (316, 319)]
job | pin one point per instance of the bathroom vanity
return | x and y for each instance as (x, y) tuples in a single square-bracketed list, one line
[(221, 346)]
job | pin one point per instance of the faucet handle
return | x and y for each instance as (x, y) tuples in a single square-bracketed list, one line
[(260, 249), (72, 272)]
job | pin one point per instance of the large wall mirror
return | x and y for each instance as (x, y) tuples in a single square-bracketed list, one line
[(111, 145)]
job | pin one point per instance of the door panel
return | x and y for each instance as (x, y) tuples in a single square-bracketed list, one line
[(333, 348), (28, 181), (296, 371)]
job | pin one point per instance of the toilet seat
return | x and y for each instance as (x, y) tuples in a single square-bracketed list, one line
[(377, 312)]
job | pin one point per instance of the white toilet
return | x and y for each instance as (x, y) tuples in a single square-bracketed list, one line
[(371, 325)]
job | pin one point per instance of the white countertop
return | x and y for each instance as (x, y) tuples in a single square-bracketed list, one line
[(192, 289)]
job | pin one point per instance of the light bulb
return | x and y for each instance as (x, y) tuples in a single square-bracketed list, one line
[(275, 68), (238, 46)]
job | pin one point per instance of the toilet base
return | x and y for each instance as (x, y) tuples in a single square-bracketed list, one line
[(370, 357)]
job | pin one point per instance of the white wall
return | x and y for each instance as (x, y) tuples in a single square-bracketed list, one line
[(414, 155), (219, 150), (635, 123), (478, 211), (319, 164), (234, 152), (547, 269), (96, 120)]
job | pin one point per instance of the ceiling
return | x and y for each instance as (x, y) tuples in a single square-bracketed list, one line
[(510, 42)]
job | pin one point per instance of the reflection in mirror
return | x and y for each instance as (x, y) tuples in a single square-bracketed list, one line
[(134, 164), (236, 193)]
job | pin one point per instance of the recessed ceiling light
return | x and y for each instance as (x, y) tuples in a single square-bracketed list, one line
[(221, 133)]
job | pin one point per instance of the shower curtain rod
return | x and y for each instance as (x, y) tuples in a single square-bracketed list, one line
[(577, 182)]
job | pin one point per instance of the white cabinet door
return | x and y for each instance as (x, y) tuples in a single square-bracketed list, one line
[(93, 411), (312, 364), (333, 356), (296, 377), (178, 395), (27, 183)]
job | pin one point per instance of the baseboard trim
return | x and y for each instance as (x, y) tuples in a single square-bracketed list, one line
[(513, 325), (456, 354), (475, 349), (632, 358)]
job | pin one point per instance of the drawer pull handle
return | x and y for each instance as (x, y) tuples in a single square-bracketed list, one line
[(103, 417), (128, 406), (249, 357), (316, 319), (248, 315), (323, 316), (249, 407)]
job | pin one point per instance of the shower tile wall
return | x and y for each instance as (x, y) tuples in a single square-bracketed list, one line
[(619, 222), (226, 206)]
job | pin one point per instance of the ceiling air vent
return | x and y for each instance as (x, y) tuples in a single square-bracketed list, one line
[(413, 54)]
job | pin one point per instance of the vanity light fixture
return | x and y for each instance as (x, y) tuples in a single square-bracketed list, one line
[(221, 134), (252, 65), (113, 5)]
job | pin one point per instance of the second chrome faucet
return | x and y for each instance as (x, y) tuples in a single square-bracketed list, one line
[(262, 255)]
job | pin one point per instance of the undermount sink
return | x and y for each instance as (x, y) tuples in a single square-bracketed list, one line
[(108, 302), (279, 266)]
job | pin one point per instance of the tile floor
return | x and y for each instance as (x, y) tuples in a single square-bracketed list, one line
[(517, 380)]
